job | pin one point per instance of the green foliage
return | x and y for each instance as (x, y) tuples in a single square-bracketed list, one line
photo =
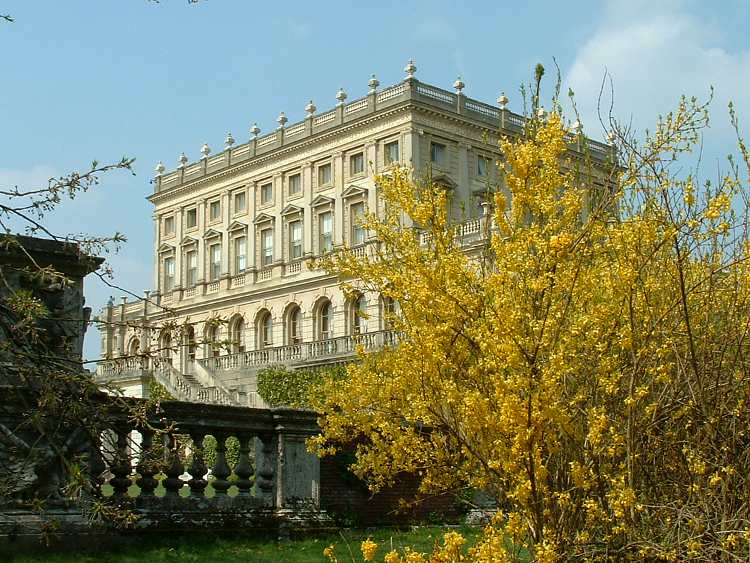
[(280, 386), (232, 453)]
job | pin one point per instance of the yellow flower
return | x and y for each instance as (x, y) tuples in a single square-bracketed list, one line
[(369, 548), (329, 553)]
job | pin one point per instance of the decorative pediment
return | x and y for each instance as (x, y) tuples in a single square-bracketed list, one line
[(321, 200), (444, 180), (263, 218), (188, 241), (237, 226), (164, 247), (211, 233), (354, 191), (291, 210)]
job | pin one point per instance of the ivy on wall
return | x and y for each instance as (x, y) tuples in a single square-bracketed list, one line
[(280, 386)]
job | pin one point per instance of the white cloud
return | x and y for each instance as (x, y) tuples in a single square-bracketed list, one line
[(655, 53)]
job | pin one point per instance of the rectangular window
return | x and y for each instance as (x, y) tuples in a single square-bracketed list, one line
[(240, 254), (326, 231), (168, 274), (191, 259), (215, 254), (391, 152), (324, 174), (239, 202), (191, 218), (266, 193), (437, 154), (295, 184), (295, 240), (266, 246), (483, 165), (168, 225), (356, 164), (357, 212), (214, 210)]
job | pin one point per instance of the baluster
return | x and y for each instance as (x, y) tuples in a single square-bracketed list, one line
[(221, 469), (96, 466), (265, 463), (244, 469), (121, 464), (173, 483), (147, 464), (198, 468)]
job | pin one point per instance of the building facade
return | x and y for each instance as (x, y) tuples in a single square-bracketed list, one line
[(234, 290)]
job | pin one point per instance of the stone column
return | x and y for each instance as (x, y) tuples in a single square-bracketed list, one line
[(307, 225), (202, 277), (338, 211), (297, 470)]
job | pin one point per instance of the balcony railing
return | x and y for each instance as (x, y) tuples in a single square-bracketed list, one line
[(332, 348)]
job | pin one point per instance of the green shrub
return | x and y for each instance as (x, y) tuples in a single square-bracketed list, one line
[(280, 386)]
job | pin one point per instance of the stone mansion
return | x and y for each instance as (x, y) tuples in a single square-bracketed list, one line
[(234, 291)]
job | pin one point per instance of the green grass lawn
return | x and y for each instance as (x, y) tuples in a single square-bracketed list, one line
[(260, 550)]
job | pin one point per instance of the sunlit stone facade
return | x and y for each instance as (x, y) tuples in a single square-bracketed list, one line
[(235, 231)]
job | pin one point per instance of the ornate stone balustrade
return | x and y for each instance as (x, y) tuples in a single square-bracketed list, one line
[(331, 349), (156, 467)]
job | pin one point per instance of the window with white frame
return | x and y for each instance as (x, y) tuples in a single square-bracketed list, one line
[(358, 312), (191, 218), (240, 202), (240, 254), (295, 184), (266, 193), (191, 268), (325, 226), (265, 330), (169, 226), (357, 164), (294, 326), (214, 252), (356, 216), (391, 152), (295, 240), (325, 321), (168, 273), (266, 247), (437, 154), (324, 174), (214, 210)]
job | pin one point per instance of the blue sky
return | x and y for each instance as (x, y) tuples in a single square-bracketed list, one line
[(99, 79)]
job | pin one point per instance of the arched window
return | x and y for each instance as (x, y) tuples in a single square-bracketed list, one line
[(294, 325), (237, 332), (324, 320), (387, 312), (357, 315), (213, 340), (190, 343), (135, 347), (265, 330), (165, 345)]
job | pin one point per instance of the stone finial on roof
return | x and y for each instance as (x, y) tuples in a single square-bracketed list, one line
[(160, 168), (373, 84), (229, 141), (205, 150), (577, 127), (502, 101), (341, 96), (183, 160), (310, 108), (410, 69), (255, 130), (459, 85), (281, 120)]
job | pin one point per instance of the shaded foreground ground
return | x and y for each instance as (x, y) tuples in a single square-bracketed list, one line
[(261, 550)]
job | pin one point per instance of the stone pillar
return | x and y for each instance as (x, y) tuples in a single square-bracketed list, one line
[(307, 225), (338, 210), (297, 470), (202, 277), (225, 219)]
